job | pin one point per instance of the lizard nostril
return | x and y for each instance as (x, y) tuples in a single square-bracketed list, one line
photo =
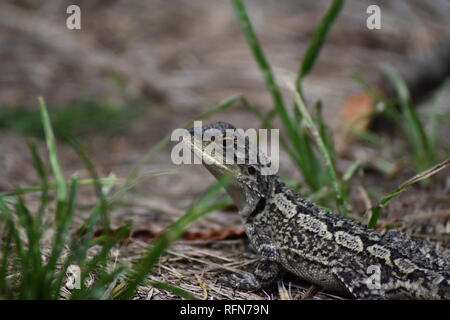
[(251, 170)]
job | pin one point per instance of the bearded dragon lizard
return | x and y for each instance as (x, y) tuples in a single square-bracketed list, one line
[(320, 247)]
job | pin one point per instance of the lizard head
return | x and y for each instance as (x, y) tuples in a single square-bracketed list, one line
[(225, 150)]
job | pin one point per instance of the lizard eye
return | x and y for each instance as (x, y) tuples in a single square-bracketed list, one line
[(251, 170)]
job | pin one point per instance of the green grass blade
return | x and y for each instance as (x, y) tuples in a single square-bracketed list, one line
[(103, 203), (61, 192), (374, 211), (98, 289), (31, 280), (317, 41), (327, 138), (324, 130), (79, 119), (99, 260), (326, 153), (351, 170), (160, 244), (309, 162), (40, 169), (423, 153), (5, 291), (6, 215), (88, 231), (263, 64), (305, 160), (61, 236)]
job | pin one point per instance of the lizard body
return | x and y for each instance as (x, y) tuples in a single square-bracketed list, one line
[(330, 251)]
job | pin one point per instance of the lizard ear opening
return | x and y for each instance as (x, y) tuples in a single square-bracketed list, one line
[(251, 170)]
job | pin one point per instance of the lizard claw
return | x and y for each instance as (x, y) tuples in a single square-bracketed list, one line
[(248, 282)]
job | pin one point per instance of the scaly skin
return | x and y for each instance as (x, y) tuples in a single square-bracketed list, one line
[(330, 251)]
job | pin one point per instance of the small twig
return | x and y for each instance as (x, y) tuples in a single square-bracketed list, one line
[(310, 292), (204, 288)]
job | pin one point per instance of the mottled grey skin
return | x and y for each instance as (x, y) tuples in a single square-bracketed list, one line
[(323, 248)]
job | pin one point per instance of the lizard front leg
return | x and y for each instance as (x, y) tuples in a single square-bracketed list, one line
[(266, 271)]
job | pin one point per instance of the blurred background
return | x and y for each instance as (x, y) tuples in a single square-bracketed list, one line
[(139, 69)]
